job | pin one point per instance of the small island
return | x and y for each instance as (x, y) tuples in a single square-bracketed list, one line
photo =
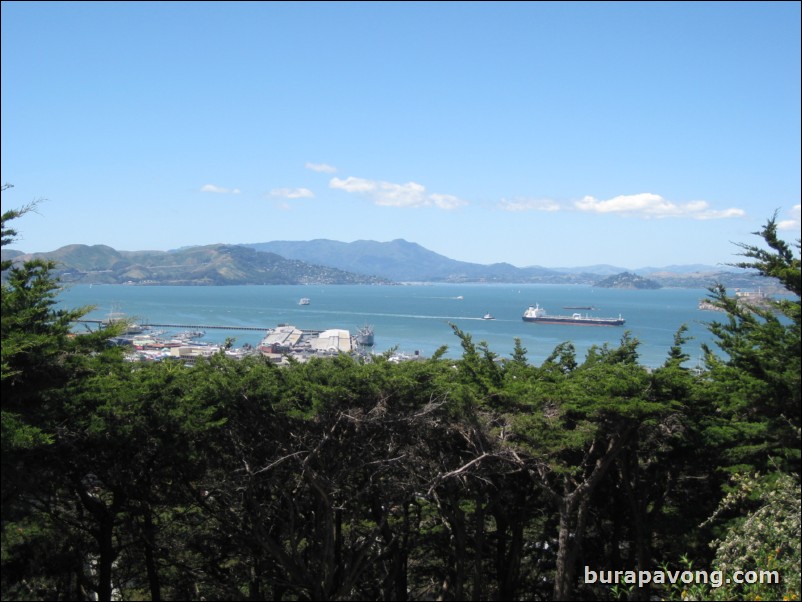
[(628, 280)]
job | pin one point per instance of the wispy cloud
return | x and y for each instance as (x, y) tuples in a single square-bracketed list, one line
[(292, 193), (647, 205), (517, 205), (794, 222), (446, 201), (219, 189), (644, 205), (321, 167), (389, 194)]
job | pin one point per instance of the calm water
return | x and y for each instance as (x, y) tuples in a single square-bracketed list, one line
[(416, 317)]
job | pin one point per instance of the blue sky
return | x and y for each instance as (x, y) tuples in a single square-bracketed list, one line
[(553, 134)]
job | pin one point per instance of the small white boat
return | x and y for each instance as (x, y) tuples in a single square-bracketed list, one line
[(488, 317), (304, 301)]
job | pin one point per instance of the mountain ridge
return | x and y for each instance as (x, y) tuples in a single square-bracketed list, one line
[(404, 261), (218, 264), (327, 261), (397, 260)]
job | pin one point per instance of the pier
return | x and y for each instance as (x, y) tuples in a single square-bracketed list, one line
[(194, 326)]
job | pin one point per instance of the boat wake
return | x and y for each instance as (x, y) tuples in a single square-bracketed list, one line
[(410, 316)]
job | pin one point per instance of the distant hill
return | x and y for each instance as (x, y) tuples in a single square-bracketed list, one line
[(628, 280), (598, 270), (332, 262), (403, 261), (695, 268), (9, 254), (205, 265)]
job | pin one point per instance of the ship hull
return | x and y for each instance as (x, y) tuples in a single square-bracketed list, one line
[(366, 340), (364, 337), (576, 321)]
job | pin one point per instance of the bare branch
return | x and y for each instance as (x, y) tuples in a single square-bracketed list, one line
[(440, 478)]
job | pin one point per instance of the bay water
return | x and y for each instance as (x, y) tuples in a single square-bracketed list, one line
[(417, 318)]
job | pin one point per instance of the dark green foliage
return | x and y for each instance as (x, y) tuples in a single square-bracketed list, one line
[(757, 384), (481, 478)]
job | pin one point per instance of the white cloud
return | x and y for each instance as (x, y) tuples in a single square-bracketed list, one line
[(446, 201), (720, 214), (388, 194), (794, 222), (648, 205), (321, 167), (219, 189), (529, 205), (645, 205), (292, 193), (352, 184)]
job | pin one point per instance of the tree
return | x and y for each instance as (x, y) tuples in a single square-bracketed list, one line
[(751, 427), (757, 384), (40, 359), (37, 346)]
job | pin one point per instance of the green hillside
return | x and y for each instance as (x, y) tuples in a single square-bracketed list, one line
[(628, 280), (205, 265)]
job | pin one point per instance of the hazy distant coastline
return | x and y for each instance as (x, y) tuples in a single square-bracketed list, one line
[(361, 262)]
